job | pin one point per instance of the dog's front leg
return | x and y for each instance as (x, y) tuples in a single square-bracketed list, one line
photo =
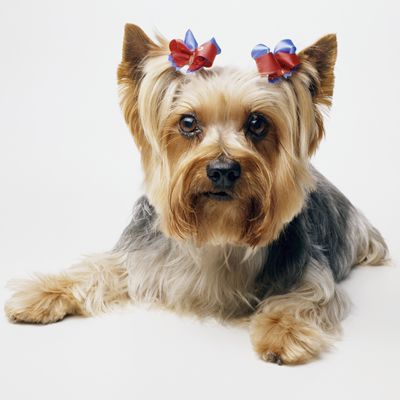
[(293, 328), (87, 288)]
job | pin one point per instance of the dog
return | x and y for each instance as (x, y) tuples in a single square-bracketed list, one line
[(236, 224)]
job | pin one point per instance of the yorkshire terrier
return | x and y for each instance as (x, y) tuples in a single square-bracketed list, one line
[(236, 223)]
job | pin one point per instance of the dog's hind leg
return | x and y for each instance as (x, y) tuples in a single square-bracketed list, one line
[(371, 248), (90, 287)]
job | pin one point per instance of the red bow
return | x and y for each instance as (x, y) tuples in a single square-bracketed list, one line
[(277, 65), (189, 53), (280, 63)]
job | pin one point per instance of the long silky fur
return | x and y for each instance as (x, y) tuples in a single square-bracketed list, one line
[(273, 253)]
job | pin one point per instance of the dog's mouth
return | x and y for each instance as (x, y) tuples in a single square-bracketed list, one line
[(219, 196)]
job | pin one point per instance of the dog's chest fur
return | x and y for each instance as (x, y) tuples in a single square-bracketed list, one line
[(211, 280), (229, 281)]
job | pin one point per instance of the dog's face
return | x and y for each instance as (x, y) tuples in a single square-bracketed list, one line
[(225, 152)]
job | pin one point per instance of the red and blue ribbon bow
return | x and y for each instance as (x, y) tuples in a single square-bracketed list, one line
[(281, 63), (188, 53)]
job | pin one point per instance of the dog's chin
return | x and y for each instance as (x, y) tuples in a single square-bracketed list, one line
[(216, 217), (218, 195), (219, 217), (219, 203)]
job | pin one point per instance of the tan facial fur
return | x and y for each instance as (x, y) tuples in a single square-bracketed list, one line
[(275, 177)]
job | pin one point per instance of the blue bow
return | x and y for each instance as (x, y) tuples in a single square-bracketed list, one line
[(284, 46)]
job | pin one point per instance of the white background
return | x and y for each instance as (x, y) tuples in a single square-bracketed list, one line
[(69, 174)]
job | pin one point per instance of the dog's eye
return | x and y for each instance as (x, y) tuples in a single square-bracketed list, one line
[(257, 126), (188, 125)]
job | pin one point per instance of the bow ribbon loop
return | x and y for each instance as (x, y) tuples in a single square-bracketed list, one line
[(281, 63), (188, 52)]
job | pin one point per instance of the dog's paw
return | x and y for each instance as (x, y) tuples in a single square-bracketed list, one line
[(42, 301), (283, 339)]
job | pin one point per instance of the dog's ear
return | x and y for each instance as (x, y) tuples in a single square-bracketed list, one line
[(322, 57), (134, 79), (136, 47)]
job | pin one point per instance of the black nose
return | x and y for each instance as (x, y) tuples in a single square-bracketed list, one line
[(223, 173)]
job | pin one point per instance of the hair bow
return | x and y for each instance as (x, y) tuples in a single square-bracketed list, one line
[(281, 63), (188, 53)]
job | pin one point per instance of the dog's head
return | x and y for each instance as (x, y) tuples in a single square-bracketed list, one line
[(225, 153)]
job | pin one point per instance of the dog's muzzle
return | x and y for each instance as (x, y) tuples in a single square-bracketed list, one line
[(223, 173)]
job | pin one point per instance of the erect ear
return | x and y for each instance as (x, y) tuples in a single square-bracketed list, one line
[(136, 47), (321, 56)]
